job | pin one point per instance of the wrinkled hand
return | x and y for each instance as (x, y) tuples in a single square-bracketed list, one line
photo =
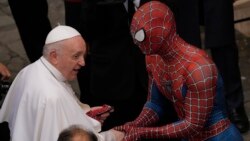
[(118, 134), (4, 71)]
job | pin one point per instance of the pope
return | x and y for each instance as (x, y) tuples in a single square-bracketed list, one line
[(41, 103)]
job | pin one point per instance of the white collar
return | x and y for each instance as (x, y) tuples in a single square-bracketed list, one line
[(136, 4), (54, 71)]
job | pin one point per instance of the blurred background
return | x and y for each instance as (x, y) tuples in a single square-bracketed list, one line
[(12, 53)]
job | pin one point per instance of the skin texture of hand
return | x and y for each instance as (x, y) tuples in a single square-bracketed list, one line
[(118, 135), (4, 72)]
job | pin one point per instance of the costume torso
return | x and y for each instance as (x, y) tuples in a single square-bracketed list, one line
[(171, 75), (172, 82)]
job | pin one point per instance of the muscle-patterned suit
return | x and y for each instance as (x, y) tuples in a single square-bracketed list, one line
[(181, 73)]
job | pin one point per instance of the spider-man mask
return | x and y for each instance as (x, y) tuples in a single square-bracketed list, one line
[(152, 26)]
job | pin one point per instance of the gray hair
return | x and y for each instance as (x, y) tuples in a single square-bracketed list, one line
[(68, 133), (48, 48)]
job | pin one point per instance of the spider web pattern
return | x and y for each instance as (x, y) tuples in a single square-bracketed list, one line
[(157, 23), (184, 74)]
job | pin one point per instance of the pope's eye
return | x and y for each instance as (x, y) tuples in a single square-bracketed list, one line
[(140, 35)]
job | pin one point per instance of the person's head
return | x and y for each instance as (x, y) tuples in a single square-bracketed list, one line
[(76, 133), (65, 49), (152, 26)]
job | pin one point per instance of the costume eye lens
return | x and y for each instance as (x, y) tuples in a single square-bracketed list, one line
[(140, 35)]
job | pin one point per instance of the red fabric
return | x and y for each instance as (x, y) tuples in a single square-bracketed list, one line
[(173, 62), (138, 133), (96, 113), (150, 118)]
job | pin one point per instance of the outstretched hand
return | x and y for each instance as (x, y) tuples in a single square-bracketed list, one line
[(132, 133), (124, 128)]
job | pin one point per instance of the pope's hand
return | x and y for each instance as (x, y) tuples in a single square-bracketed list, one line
[(118, 135)]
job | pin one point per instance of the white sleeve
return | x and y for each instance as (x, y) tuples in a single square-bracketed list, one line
[(108, 136), (112, 135)]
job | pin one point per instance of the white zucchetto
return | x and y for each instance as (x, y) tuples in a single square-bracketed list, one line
[(61, 32)]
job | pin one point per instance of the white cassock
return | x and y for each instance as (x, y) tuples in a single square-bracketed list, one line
[(40, 104)]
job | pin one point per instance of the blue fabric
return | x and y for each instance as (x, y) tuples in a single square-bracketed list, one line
[(230, 134), (219, 109), (157, 101), (218, 113)]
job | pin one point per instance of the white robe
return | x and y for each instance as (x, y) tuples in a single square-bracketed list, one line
[(40, 104)]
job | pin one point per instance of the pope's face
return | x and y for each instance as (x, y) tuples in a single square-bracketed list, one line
[(71, 58)]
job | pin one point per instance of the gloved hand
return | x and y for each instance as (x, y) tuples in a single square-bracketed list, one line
[(132, 133)]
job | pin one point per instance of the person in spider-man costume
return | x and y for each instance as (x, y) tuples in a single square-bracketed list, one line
[(181, 73)]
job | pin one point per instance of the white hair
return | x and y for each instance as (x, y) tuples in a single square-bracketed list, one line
[(48, 48)]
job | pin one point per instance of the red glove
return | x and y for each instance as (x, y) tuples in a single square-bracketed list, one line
[(124, 128), (131, 133)]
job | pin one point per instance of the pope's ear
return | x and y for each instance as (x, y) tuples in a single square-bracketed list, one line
[(53, 57)]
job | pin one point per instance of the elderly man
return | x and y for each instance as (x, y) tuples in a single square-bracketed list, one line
[(76, 133), (41, 103)]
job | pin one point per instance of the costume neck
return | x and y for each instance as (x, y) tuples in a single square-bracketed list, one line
[(171, 48)]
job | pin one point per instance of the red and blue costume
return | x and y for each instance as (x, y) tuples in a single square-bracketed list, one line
[(182, 74)]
